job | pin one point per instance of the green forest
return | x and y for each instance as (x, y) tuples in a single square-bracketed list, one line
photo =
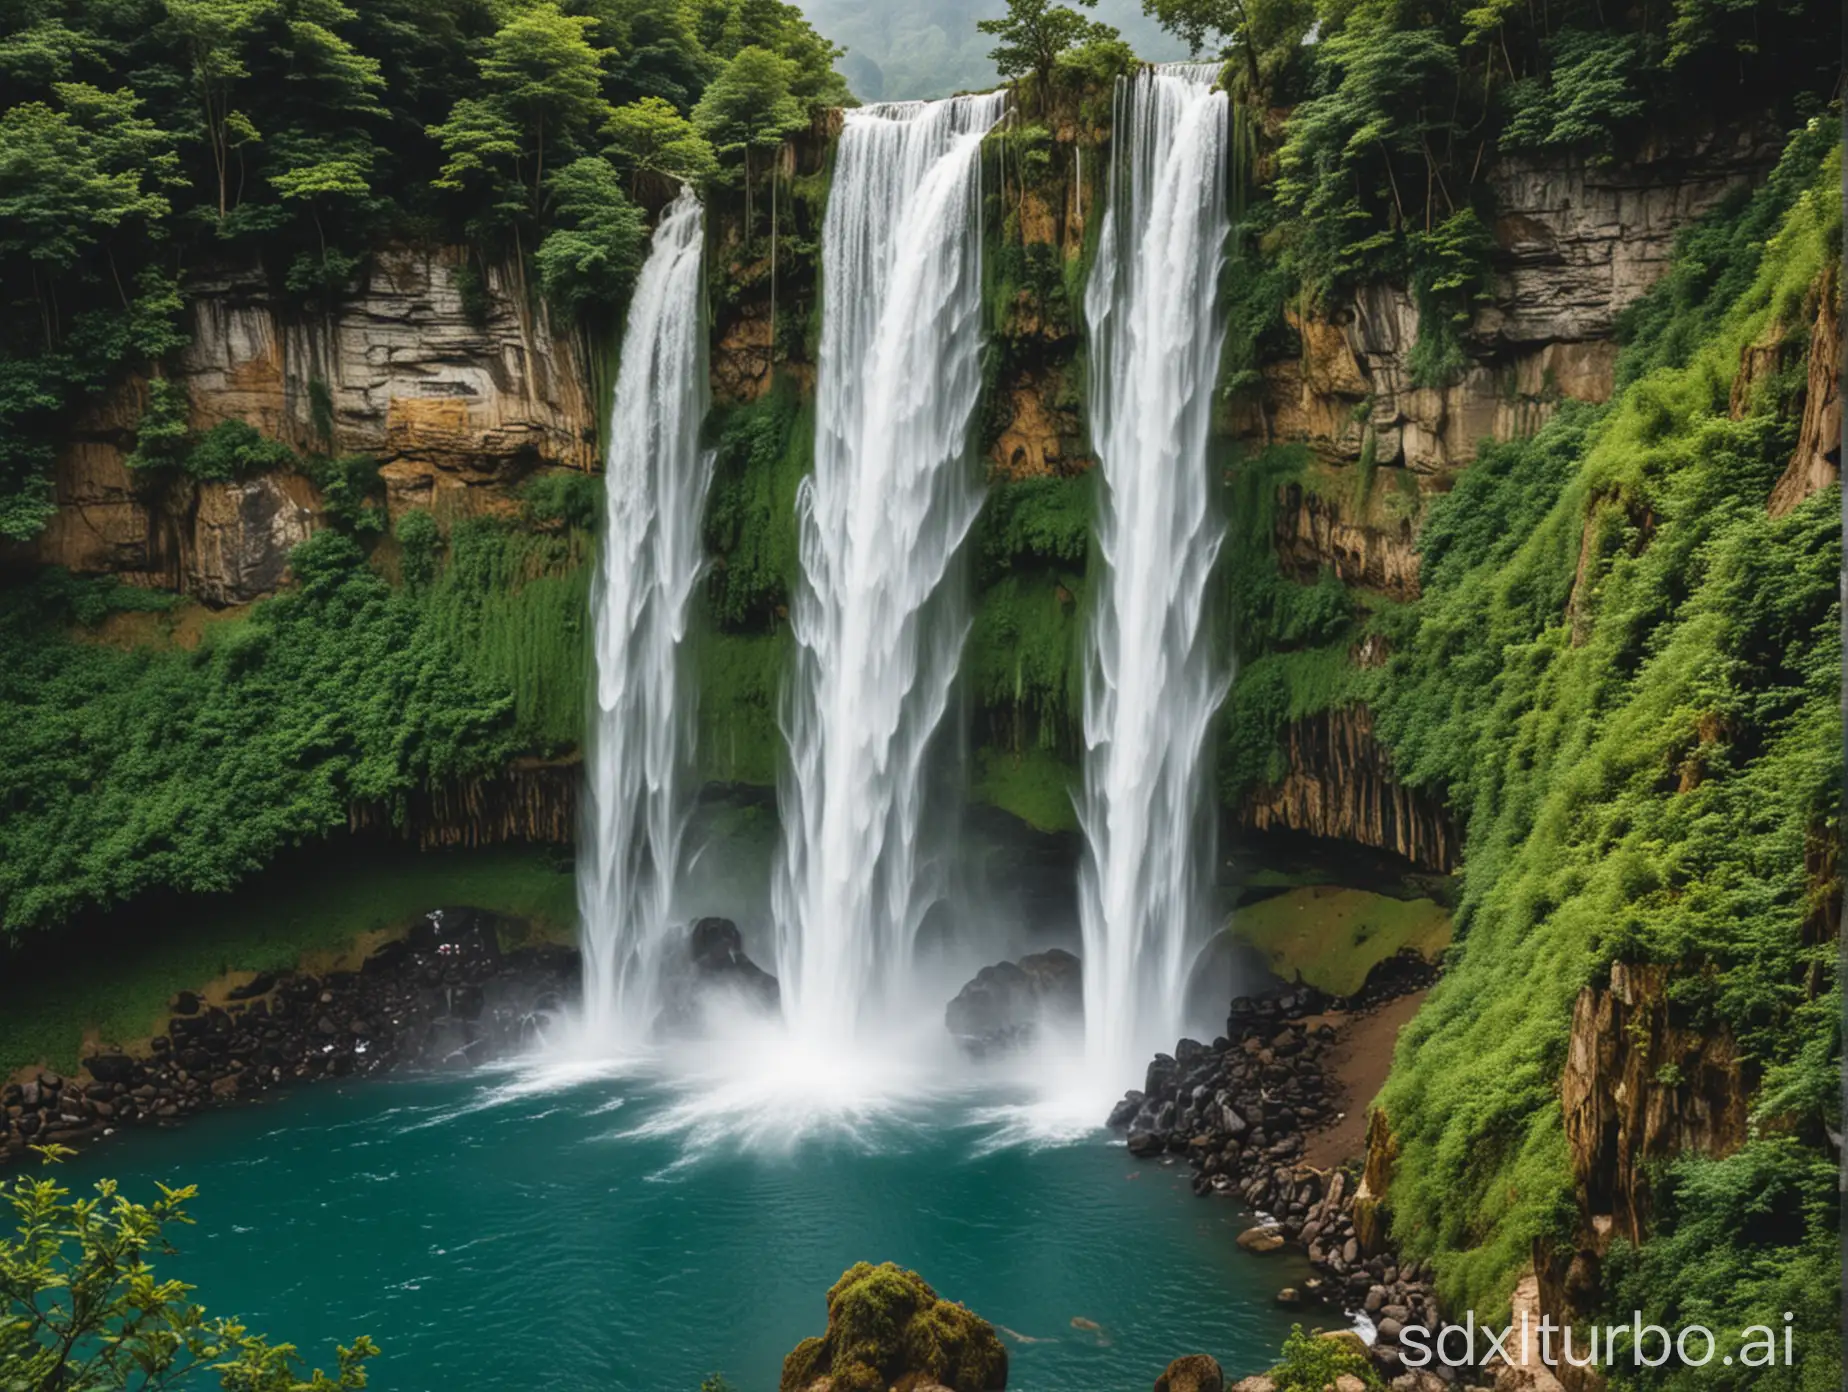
[(1619, 677)]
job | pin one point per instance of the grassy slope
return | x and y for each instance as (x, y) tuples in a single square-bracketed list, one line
[(1332, 937)]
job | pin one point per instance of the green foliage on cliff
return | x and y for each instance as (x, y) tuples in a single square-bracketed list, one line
[(1399, 112), (1292, 639), (1738, 1242), (762, 452), (162, 767), (1024, 662), (1625, 675), (143, 140)]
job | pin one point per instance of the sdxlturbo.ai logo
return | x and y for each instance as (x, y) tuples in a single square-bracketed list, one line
[(1546, 1342)]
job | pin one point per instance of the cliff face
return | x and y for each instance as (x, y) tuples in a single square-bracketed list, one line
[(1817, 461), (223, 542), (456, 392), (1368, 547), (1640, 1086), (1341, 786), (531, 800), (1575, 245)]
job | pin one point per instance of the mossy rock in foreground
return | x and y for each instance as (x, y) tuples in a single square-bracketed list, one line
[(887, 1329)]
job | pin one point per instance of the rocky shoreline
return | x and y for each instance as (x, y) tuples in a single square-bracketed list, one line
[(445, 995), (1240, 1111)]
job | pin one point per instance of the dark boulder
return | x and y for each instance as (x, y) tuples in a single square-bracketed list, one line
[(1197, 1372), (1006, 1004), (259, 985), (711, 968), (1125, 1111), (1146, 1143), (112, 1068)]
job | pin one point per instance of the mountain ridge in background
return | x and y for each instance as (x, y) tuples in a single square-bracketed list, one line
[(930, 48)]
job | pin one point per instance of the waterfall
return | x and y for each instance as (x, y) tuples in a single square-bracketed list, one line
[(877, 619), (1151, 682), (639, 745)]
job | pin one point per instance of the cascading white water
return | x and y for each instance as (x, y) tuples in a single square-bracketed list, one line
[(656, 478), (877, 620), (1151, 684)]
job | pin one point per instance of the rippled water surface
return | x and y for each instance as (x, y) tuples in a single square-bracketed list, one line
[(494, 1236)]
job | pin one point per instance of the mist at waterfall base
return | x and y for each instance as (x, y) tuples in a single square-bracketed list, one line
[(492, 1235)]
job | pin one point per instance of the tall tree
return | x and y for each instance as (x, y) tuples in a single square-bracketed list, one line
[(750, 106), (1251, 29), (1033, 33), (543, 93), (652, 140), (213, 34)]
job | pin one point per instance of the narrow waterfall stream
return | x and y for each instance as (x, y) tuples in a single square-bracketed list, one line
[(878, 620), (1152, 683), (639, 746)]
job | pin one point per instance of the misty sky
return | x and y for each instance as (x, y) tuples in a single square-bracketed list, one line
[(927, 48)]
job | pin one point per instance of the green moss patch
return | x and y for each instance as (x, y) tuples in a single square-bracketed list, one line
[(1331, 937), (1034, 785), (885, 1324)]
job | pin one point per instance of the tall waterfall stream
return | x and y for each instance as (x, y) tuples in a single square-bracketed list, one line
[(656, 478), (1151, 681), (878, 618)]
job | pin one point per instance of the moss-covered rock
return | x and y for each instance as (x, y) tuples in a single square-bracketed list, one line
[(888, 1330)]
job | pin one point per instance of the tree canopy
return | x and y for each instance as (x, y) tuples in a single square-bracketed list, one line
[(142, 140)]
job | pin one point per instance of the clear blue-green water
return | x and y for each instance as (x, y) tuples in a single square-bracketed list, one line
[(490, 1237)]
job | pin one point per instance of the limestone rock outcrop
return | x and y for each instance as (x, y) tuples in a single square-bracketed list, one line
[(1817, 462), (225, 542), (433, 365), (1369, 546), (437, 365), (1576, 243)]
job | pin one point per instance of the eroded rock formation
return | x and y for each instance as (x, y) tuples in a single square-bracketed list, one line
[(1817, 462), (1368, 546), (1641, 1085), (1341, 784), (529, 800)]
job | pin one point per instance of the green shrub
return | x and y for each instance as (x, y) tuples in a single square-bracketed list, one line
[(82, 1306), (1312, 1363), (420, 543)]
